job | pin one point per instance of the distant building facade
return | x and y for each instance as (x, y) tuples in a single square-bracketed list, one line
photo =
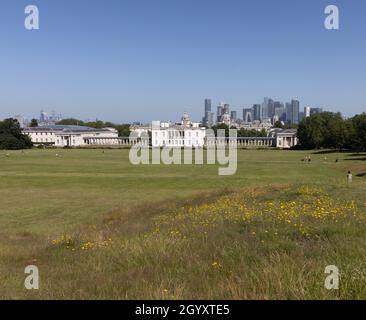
[(284, 138), (71, 136), (182, 134), (257, 112), (267, 109), (292, 112), (248, 115), (220, 112), (208, 119)]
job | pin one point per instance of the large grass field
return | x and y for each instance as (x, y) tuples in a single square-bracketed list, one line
[(98, 227)]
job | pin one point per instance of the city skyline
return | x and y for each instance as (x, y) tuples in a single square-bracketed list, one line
[(268, 111), (134, 61)]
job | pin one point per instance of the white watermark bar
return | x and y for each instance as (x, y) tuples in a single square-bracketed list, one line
[(220, 150)]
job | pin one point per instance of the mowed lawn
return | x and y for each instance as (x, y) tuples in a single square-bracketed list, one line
[(99, 227)]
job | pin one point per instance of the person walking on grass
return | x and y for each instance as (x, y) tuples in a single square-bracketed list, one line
[(349, 177)]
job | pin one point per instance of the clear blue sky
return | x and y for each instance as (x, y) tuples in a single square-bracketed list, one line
[(140, 60)]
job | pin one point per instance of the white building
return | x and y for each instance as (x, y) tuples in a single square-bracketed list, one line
[(181, 134), (138, 130), (284, 138), (71, 136), (256, 125)]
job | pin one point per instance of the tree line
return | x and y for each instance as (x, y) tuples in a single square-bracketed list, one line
[(330, 130), (123, 129), (241, 132)]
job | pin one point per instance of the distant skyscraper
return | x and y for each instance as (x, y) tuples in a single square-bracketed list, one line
[(271, 108), (267, 109), (295, 109), (226, 119), (210, 119), (208, 105), (220, 112), (226, 108), (292, 112), (256, 112), (264, 111), (307, 112), (233, 116), (301, 116), (280, 113), (288, 112), (248, 116), (43, 117), (278, 105)]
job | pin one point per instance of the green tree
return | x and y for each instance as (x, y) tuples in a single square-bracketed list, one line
[(11, 136), (98, 124), (357, 139), (123, 129), (221, 126), (336, 131), (71, 122), (279, 124), (34, 123), (310, 132), (251, 133), (324, 130)]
